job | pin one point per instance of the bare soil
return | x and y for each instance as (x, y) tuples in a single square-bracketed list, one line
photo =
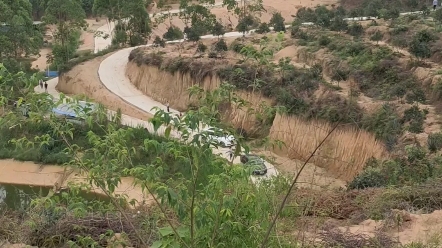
[(83, 80)]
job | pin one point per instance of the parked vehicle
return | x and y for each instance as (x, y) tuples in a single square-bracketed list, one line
[(219, 137), (255, 163)]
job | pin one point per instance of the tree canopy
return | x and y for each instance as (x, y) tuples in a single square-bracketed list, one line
[(18, 36)]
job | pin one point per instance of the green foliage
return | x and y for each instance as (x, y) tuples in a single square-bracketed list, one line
[(69, 17), (434, 141), (201, 47), (415, 117), (389, 14), (199, 19), (377, 71), (369, 178), (194, 33), (436, 93), (173, 33), (417, 167), (237, 46), (158, 42), (355, 29), (298, 33), (87, 6), (324, 40), (263, 28), (63, 53), (377, 36), (19, 38), (378, 7), (385, 124), (420, 44), (323, 16), (218, 29), (245, 24), (132, 20), (221, 46), (338, 24), (277, 22), (438, 15), (78, 59)]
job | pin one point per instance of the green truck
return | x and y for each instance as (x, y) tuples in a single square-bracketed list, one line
[(255, 163)]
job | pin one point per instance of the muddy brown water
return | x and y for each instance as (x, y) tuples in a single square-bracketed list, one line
[(19, 197)]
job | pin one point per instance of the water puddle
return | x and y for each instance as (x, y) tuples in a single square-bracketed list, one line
[(19, 197)]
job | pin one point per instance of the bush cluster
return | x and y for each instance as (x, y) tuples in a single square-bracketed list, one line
[(416, 167), (55, 152), (293, 88)]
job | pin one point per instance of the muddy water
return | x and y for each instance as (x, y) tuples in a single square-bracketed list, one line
[(19, 197), (49, 176)]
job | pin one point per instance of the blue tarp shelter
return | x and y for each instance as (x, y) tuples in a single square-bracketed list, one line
[(74, 110), (51, 74)]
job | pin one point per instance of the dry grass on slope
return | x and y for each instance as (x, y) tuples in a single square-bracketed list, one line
[(343, 154)]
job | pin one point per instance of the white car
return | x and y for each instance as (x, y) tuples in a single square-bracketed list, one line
[(223, 141)]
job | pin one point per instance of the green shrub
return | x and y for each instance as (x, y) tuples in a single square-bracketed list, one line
[(236, 46), (297, 33), (385, 124), (436, 94), (221, 46), (355, 29), (434, 141), (415, 117), (277, 22), (263, 28), (158, 42), (201, 47), (324, 40), (369, 178), (213, 55), (173, 33)]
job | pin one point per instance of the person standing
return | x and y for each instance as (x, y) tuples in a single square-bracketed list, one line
[(230, 152), (435, 2), (168, 108), (46, 86), (41, 83)]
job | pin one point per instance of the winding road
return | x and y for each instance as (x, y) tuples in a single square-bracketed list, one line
[(113, 76)]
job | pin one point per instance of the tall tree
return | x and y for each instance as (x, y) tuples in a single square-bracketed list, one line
[(277, 22), (69, 18), (18, 36), (133, 25), (246, 12), (198, 18), (38, 8)]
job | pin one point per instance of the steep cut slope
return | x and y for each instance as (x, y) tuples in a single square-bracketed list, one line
[(343, 155), (171, 88)]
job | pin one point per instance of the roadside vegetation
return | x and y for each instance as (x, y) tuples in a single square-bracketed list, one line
[(359, 78)]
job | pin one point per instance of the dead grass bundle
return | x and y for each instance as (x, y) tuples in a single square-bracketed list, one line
[(426, 198), (343, 154), (10, 225), (93, 226), (335, 204), (332, 236)]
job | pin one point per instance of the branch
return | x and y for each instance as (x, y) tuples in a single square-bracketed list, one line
[(266, 237)]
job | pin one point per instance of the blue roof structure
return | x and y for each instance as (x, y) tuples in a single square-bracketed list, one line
[(75, 110)]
